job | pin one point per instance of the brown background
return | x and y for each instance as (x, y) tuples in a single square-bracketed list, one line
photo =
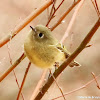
[(12, 12)]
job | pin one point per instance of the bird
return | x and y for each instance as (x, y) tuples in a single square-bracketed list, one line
[(43, 49)]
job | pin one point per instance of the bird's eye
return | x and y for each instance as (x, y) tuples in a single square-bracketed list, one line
[(41, 35)]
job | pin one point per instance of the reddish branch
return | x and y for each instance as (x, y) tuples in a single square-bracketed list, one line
[(52, 14), (14, 71), (82, 87), (96, 80), (64, 15), (22, 84), (96, 7), (12, 67)]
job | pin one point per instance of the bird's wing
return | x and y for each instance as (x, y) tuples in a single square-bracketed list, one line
[(67, 54), (63, 49)]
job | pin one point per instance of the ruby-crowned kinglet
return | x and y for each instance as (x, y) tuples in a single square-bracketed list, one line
[(43, 49)]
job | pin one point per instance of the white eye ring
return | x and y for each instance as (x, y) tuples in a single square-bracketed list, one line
[(41, 35)]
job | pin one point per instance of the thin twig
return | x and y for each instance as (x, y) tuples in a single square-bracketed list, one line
[(64, 15), (95, 8), (25, 22), (9, 54), (68, 61), (54, 13), (84, 86), (89, 45), (48, 13), (72, 21), (14, 72), (23, 81), (13, 66), (57, 85), (18, 84), (96, 80), (39, 85), (53, 8)]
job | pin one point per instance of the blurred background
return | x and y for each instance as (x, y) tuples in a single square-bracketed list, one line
[(12, 13)]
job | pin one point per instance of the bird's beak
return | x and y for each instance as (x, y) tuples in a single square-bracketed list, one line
[(33, 29)]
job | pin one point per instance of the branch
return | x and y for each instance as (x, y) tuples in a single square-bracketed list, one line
[(58, 85), (64, 15), (39, 84), (83, 86), (13, 66), (25, 22), (23, 81), (14, 71), (96, 7), (68, 61), (72, 21), (52, 14), (98, 86)]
